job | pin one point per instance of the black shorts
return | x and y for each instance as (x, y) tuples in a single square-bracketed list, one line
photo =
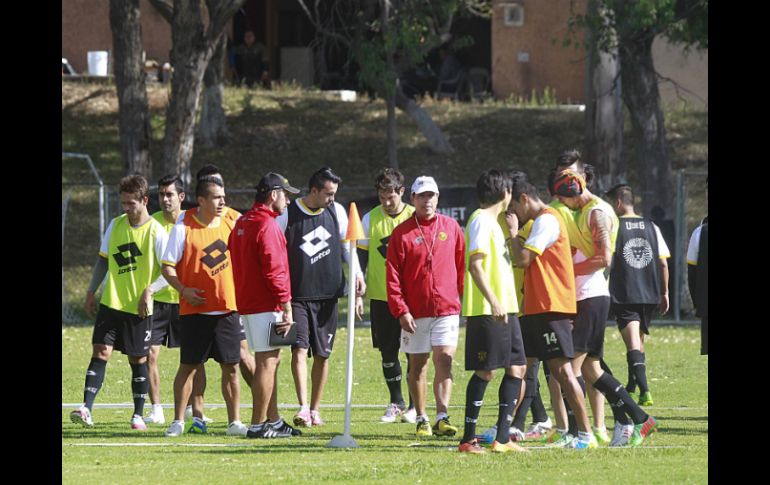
[(633, 312), (704, 336), (590, 325), (548, 336), (316, 324), (125, 332), (386, 331), (210, 336), (165, 325), (491, 345)]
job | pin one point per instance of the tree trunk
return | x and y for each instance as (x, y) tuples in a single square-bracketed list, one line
[(436, 140), (212, 128), (189, 56), (134, 119), (390, 90), (604, 114), (641, 95)]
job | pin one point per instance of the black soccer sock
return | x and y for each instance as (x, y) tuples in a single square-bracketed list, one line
[(636, 365), (508, 394), (520, 418), (94, 380), (615, 392), (474, 398), (617, 410), (539, 415), (391, 369), (140, 386)]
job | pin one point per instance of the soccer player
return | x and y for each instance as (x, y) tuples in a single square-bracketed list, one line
[(597, 225), (165, 316), (493, 339), (130, 257), (638, 285), (698, 278), (425, 266), (315, 227), (197, 264), (263, 295), (550, 296), (378, 224)]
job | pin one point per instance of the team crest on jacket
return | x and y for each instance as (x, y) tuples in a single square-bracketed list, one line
[(442, 236), (482, 356), (637, 252)]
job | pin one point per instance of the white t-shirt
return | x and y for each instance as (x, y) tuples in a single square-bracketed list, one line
[(545, 232), (694, 246)]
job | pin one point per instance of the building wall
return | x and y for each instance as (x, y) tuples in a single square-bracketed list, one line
[(550, 64), (85, 27)]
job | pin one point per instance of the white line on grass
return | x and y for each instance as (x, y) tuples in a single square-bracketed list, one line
[(128, 405)]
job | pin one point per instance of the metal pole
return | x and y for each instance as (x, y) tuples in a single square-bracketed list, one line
[(345, 440), (679, 245)]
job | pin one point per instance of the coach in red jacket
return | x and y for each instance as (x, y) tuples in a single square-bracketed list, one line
[(263, 294), (425, 270)]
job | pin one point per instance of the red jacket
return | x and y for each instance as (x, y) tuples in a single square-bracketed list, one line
[(260, 262), (418, 284)]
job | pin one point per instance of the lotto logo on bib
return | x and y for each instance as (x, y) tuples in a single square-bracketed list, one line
[(315, 245), (637, 253)]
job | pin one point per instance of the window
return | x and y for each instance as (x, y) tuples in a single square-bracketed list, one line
[(513, 15)]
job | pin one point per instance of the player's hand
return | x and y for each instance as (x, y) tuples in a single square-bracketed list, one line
[(192, 296), (512, 221), (663, 306), (499, 313), (360, 285), (283, 327), (145, 303), (90, 305), (360, 308), (407, 323)]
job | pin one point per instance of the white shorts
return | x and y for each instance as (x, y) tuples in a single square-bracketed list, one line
[(431, 332), (256, 327)]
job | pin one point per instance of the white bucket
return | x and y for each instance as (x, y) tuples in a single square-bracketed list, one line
[(97, 63)]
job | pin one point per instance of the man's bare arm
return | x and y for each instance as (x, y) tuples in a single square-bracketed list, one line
[(600, 225)]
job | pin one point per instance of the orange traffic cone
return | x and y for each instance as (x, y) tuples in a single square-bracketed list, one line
[(355, 229)]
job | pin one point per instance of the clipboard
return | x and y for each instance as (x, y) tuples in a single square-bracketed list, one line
[(276, 339)]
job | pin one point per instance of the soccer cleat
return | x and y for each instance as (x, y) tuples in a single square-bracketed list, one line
[(392, 413), (643, 430), (176, 428), (409, 416), (562, 442), (137, 422), (156, 416), (507, 447), (646, 399), (444, 428), (283, 430), (621, 434), (424, 429), (601, 435), (578, 444), (236, 428), (537, 431), (263, 430), (516, 434), (302, 419), (198, 426), (471, 447), (82, 416), (315, 418), (188, 414), (488, 437)]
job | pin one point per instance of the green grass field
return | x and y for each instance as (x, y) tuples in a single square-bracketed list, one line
[(109, 452)]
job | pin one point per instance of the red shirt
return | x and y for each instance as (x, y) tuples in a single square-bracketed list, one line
[(417, 283), (260, 262)]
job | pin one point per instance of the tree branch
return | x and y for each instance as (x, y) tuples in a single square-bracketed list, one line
[(164, 8), (321, 28)]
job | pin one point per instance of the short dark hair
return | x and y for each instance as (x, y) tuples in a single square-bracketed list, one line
[(568, 157), (623, 193), (202, 188), (172, 179), (321, 176), (134, 184), (261, 197), (208, 169), (491, 187), (389, 179), (520, 184)]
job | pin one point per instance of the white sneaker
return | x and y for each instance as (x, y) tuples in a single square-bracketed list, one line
[(82, 416), (516, 434), (621, 434), (156, 415), (176, 428), (188, 414), (409, 416), (538, 430), (236, 428), (391, 414), (137, 422)]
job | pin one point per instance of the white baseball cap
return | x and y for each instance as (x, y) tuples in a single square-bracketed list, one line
[(424, 184)]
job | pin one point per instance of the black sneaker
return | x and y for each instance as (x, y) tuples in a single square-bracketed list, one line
[(284, 430), (263, 431)]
